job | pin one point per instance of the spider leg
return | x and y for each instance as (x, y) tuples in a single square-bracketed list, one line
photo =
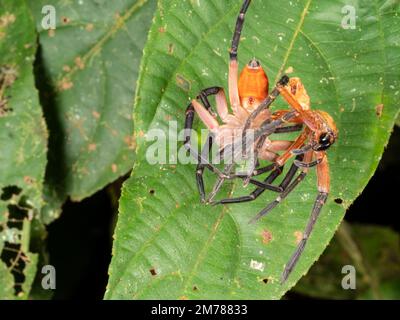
[(267, 101), (247, 178), (235, 150), (206, 115), (307, 164), (266, 185), (287, 129), (256, 193), (287, 185), (200, 170), (233, 64), (304, 115), (323, 191), (190, 111)]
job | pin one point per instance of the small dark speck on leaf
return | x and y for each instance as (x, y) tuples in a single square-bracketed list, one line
[(153, 272), (339, 201), (152, 191), (195, 288), (265, 280), (379, 110), (171, 48), (65, 20)]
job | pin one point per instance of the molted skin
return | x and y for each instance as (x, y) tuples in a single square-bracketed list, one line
[(245, 96)]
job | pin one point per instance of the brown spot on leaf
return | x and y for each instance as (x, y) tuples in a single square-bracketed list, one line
[(51, 33), (114, 168), (171, 48), (183, 298), (7, 77), (95, 114), (298, 235), (65, 20), (266, 236), (183, 83), (29, 180), (92, 147), (89, 27), (79, 63), (66, 68), (379, 110), (7, 19), (153, 272), (64, 84), (130, 142), (161, 29)]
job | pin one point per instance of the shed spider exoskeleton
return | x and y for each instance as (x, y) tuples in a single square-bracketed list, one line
[(250, 101)]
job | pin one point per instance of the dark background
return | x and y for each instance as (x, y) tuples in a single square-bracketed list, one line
[(81, 252)]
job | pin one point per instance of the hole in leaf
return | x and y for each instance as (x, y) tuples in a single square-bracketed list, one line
[(338, 201), (9, 192), (153, 272), (12, 254), (265, 280)]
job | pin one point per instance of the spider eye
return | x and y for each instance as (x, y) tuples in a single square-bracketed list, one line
[(325, 141)]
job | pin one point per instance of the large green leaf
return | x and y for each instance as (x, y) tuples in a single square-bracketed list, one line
[(167, 244), (88, 71), (23, 138)]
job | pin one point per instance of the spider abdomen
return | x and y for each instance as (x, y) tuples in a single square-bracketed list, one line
[(253, 87)]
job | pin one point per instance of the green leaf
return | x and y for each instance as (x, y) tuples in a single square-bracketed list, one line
[(23, 138), (7, 283), (374, 251), (88, 71), (168, 245)]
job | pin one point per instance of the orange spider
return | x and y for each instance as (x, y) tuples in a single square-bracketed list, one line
[(250, 101)]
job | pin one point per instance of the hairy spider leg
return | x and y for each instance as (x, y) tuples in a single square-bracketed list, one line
[(268, 180), (190, 112), (323, 192)]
